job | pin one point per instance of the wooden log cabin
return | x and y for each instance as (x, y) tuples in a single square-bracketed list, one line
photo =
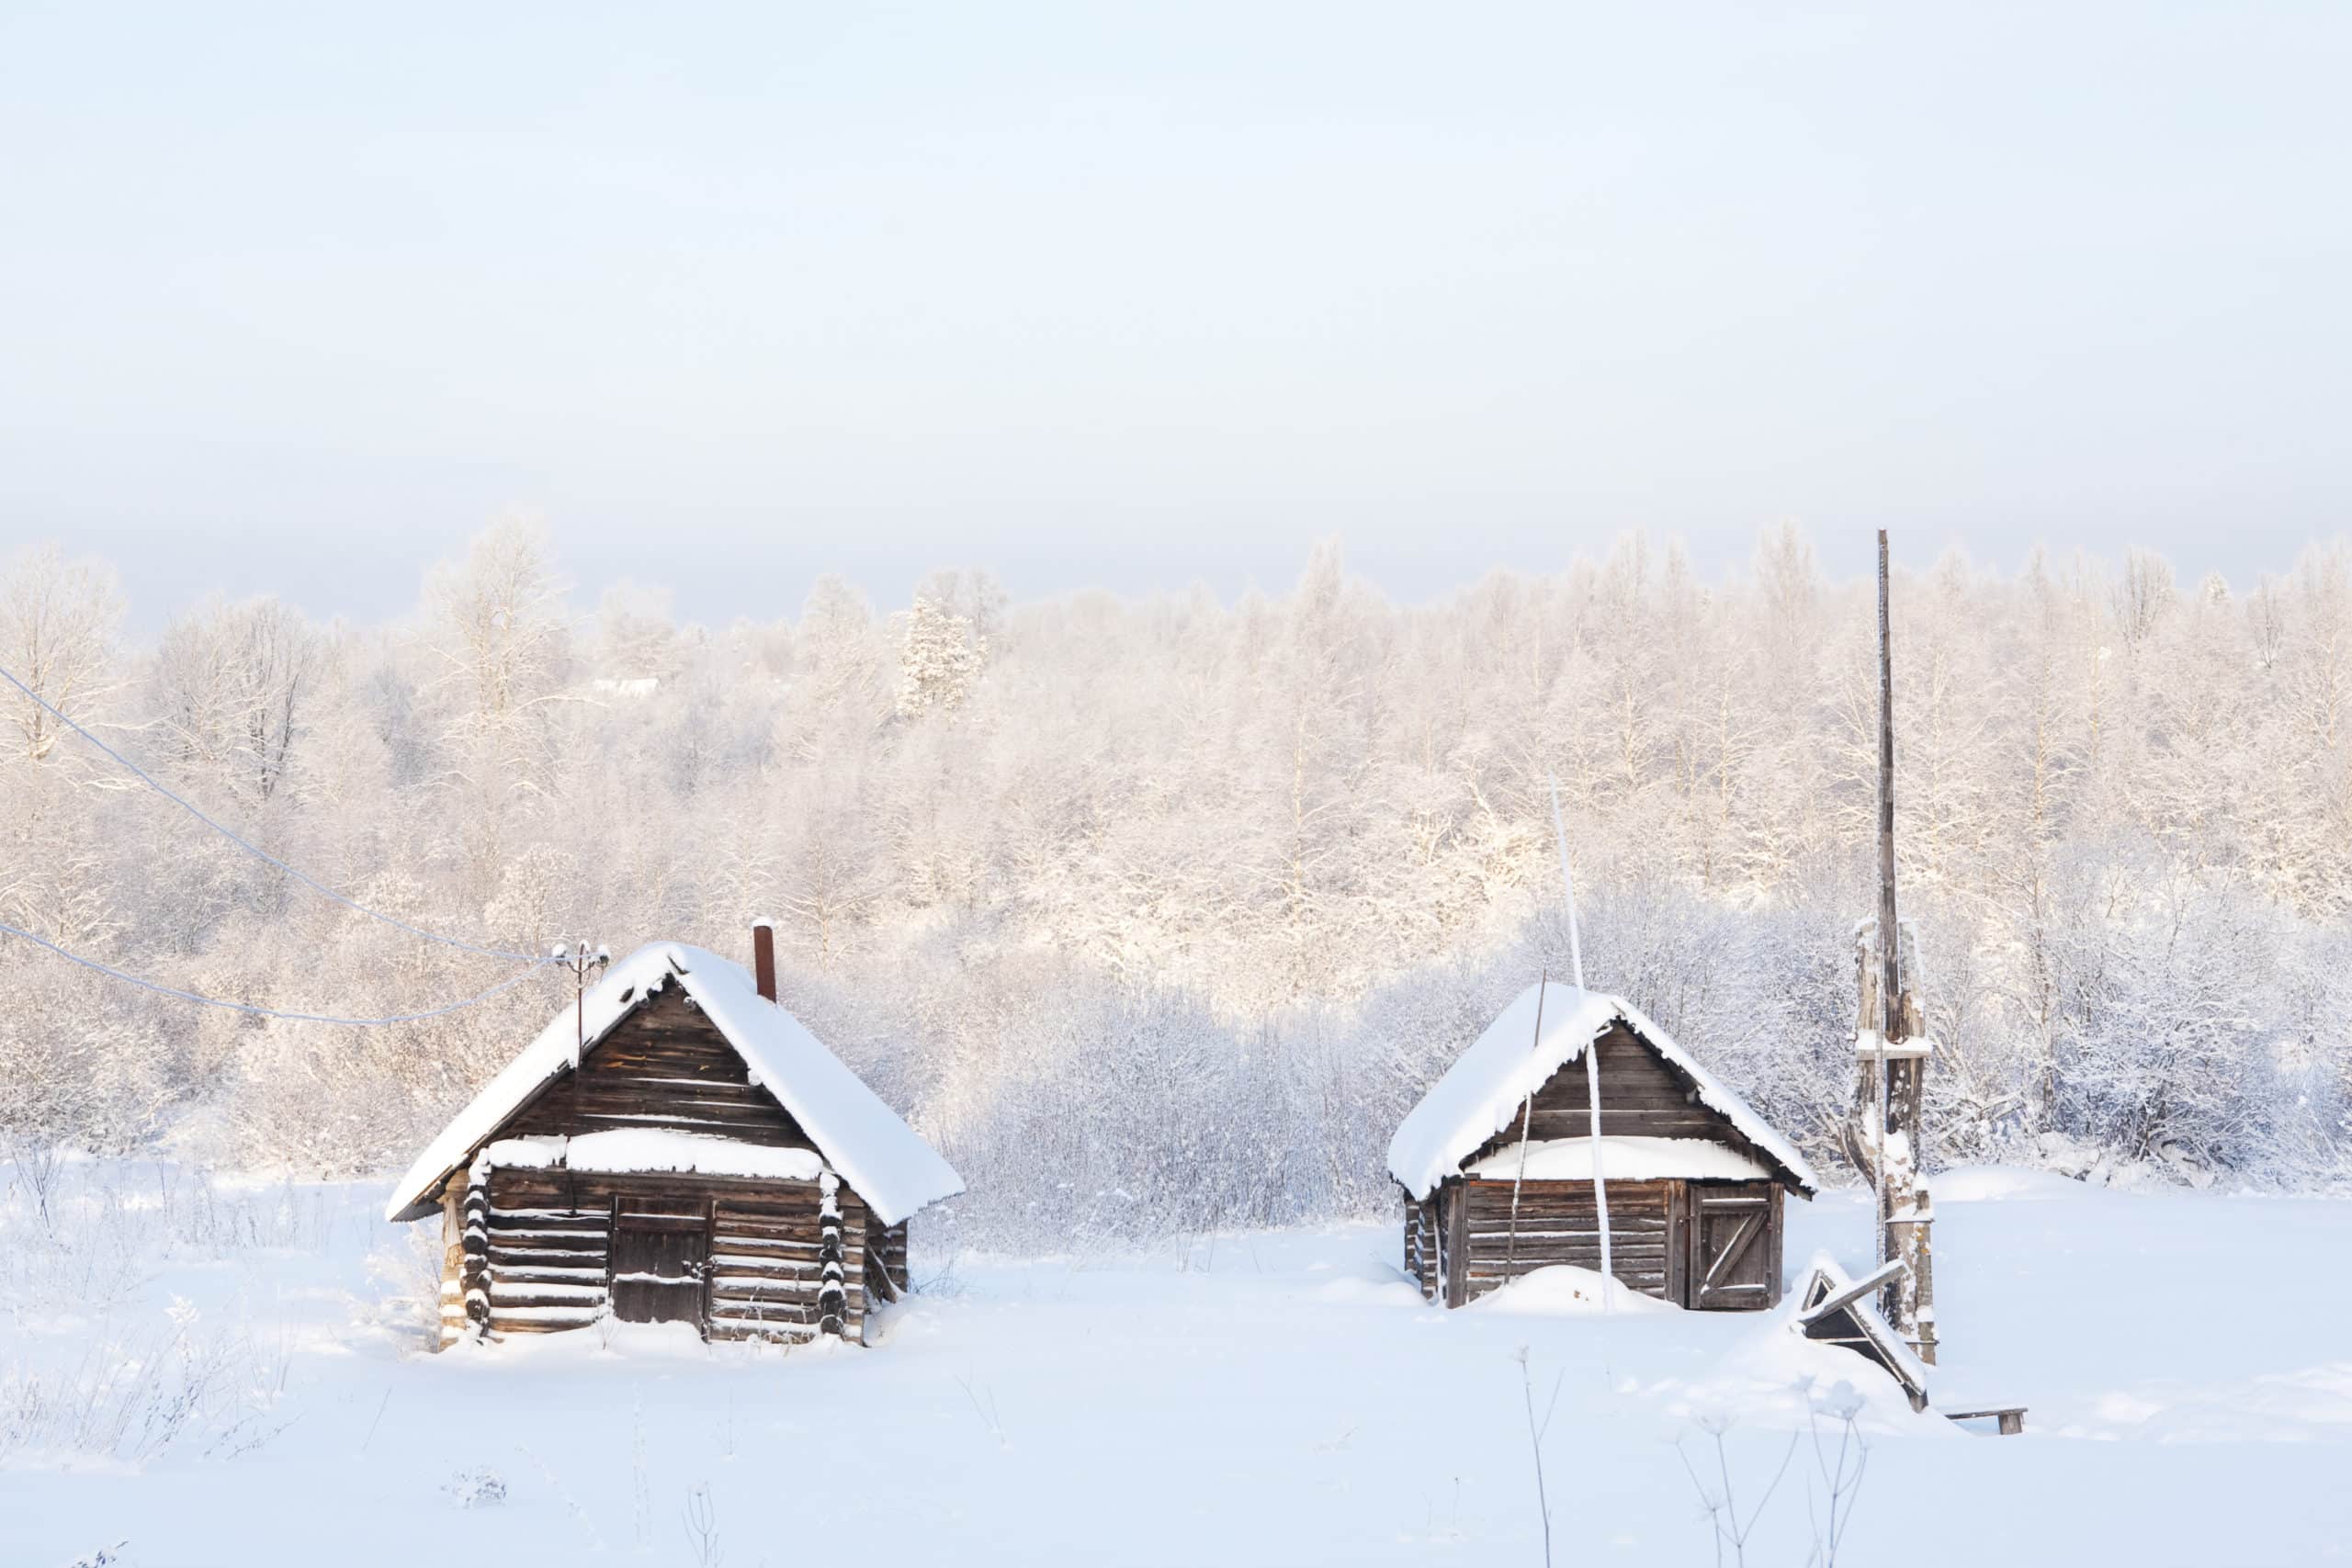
[(1693, 1177), (678, 1148)]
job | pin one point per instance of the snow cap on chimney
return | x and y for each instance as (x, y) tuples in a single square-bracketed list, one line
[(764, 956)]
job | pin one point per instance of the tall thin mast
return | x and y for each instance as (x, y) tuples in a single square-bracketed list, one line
[(1892, 1097), (1890, 1020), (1591, 1050), (1526, 1126), (1890, 987)]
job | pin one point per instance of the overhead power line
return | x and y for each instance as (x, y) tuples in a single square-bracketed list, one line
[(257, 1011), (307, 880)]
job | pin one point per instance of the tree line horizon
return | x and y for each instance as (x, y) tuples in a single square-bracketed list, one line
[(1156, 913)]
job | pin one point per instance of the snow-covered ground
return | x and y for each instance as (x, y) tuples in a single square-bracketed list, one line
[(236, 1375)]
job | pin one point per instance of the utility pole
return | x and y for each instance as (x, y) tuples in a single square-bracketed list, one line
[(1888, 1137)]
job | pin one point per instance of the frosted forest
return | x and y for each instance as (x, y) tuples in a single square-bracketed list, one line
[(1154, 916)]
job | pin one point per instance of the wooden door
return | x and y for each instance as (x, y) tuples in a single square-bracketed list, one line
[(1735, 1262), (658, 1264)]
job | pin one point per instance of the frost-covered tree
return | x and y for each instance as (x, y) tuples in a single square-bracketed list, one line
[(1159, 912), (57, 625), (233, 686), (940, 656)]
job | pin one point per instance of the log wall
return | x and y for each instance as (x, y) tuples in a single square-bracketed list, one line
[(549, 1234), (885, 1260), (1679, 1241), (766, 1262), (1559, 1222), (548, 1244), (1423, 1261)]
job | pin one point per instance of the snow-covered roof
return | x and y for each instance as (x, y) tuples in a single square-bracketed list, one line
[(1828, 1282), (1623, 1159), (1482, 1092), (879, 1155)]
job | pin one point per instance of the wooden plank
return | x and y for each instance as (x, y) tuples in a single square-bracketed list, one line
[(657, 1274), (2011, 1417), (1642, 1095), (664, 1064), (1456, 1211), (1677, 1242), (1856, 1290)]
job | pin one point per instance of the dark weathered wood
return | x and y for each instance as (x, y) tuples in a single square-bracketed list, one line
[(1732, 1267), (539, 1250), (710, 1241), (1559, 1222), (665, 1065), (1678, 1241), (1421, 1246), (657, 1272), (1890, 985), (474, 1275), (2011, 1417), (1900, 1100), (747, 1255), (1642, 1095), (832, 1294), (1477, 1230), (1456, 1216), (885, 1260), (1838, 1315)]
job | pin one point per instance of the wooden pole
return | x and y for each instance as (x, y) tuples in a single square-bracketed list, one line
[(1526, 1124), (1890, 998), (1890, 1002), (1904, 1206), (1591, 1050)]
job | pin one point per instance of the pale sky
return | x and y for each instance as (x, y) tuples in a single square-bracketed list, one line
[(294, 299)]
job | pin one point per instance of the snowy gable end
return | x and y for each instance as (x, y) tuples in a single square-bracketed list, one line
[(678, 1148), (1502, 1175)]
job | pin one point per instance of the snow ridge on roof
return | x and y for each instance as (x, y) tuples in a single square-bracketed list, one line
[(1482, 1092), (883, 1158)]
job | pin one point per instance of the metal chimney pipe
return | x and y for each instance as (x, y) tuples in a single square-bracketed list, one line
[(764, 956)]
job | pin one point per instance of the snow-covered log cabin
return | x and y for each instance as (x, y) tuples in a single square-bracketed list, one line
[(676, 1148), (1692, 1175)]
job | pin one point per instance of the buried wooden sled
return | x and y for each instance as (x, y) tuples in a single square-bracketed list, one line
[(1836, 1309)]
